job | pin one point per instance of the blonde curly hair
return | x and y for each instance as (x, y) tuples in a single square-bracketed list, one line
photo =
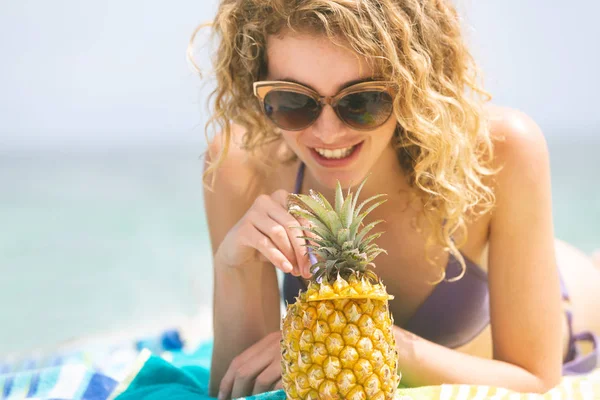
[(442, 138)]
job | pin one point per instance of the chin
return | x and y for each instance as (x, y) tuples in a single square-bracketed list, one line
[(347, 178)]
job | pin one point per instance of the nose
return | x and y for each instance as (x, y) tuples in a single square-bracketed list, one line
[(328, 127)]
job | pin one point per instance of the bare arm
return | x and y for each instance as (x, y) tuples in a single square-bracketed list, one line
[(523, 279), (245, 310), (423, 363), (246, 300)]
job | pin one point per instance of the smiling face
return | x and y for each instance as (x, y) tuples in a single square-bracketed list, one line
[(330, 149)]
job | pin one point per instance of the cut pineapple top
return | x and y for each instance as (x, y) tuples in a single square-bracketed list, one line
[(354, 288)]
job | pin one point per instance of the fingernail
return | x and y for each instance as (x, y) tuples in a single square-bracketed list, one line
[(288, 266), (221, 396)]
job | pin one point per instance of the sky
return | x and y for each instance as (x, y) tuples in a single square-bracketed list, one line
[(115, 72)]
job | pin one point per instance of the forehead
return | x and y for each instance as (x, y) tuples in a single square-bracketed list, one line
[(314, 61)]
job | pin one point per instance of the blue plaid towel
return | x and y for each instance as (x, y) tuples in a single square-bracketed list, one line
[(90, 373), (72, 381)]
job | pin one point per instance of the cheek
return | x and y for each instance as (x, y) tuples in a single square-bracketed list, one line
[(385, 134), (290, 138)]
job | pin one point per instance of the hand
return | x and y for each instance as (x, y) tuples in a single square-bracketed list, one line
[(256, 370), (269, 231)]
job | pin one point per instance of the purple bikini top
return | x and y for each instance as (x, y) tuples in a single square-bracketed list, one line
[(452, 315)]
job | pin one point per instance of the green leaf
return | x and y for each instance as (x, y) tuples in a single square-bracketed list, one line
[(368, 210), (326, 254), (332, 220), (367, 249), (357, 193), (365, 230), (298, 201), (372, 207), (357, 210), (348, 245), (311, 205), (316, 266), (332, 250), (325, 235), (346, 215), (343, 264), (375, 253), (359, 219), (371, 238), (351, 253), (342, 235), (321, 199), (318, 242), (300, 213), (339, 198)]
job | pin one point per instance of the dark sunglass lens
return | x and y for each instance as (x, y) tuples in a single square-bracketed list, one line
[(365, 110), (290, 110)]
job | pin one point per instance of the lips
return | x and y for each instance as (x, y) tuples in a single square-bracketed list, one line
[(335, 153), (338, 157)]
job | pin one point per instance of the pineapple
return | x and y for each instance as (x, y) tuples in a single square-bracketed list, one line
[(337, 340)]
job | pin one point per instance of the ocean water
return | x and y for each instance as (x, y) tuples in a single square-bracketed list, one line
[(101, 240)]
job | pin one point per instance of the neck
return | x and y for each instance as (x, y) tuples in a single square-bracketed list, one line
[(386, 175)]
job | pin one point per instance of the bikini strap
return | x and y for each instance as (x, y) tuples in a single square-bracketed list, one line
[(297, 190), (299, 178)]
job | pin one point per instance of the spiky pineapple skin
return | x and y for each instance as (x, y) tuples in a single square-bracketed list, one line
[(337, 343)]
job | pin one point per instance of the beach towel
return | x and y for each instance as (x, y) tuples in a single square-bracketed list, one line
[(90, 371), (160, 367), (185, 377)]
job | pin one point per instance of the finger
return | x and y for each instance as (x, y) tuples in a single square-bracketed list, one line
[(309, 262), (268, 378), (263, 354), (265, 246), (278, 385), (275, 206), (269, 342), (291, 224), (244, 368), (278, 236), (281, 196)]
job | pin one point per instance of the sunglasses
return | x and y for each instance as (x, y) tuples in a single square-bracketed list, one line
[(293, 107)]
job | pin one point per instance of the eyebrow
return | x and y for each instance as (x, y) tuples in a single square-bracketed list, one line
[(340, 87)]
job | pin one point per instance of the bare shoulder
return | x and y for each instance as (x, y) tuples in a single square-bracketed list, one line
[(521, 154), (236, 180), (518, 140), (236, 170)]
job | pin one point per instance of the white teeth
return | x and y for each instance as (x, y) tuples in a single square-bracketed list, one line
[(337, 153)]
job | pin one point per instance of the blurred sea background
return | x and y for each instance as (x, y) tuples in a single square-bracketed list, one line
[(102, 226)]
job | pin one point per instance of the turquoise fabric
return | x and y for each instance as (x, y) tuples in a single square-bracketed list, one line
[(184, 377)]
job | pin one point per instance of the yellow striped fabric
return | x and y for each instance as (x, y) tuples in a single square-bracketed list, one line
[(584, 387)]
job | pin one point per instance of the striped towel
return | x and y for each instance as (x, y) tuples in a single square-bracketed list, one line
[(584, 387), (71, 381), (185, 376), (159, 368), (88, 373)]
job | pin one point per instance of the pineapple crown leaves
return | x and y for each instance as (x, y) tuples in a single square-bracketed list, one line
[(338, 238)]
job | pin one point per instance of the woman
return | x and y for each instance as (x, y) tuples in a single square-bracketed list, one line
[(469, 230)]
